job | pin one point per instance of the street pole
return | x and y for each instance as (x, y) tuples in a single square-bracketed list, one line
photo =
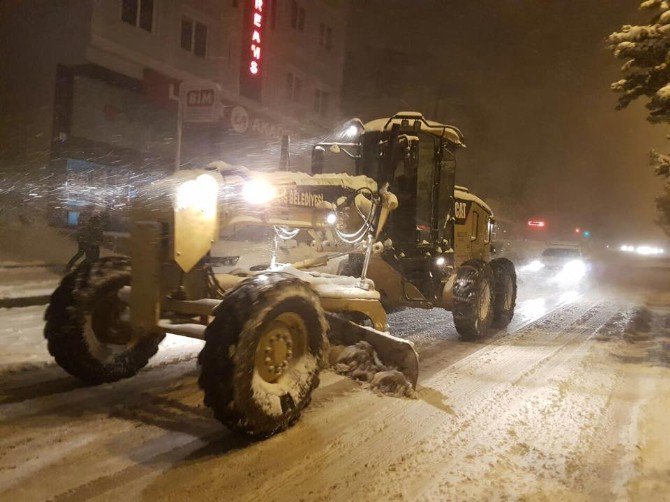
[(284, 156)]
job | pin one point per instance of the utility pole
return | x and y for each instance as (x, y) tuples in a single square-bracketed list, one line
[(284, 158), (176, 96)]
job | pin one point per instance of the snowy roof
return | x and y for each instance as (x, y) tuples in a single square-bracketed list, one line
[(430, 126), (463, 193)]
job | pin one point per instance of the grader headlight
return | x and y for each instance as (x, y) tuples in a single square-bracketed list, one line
[(258, 192), (199, 194)]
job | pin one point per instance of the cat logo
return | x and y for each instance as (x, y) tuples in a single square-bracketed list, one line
[(461, 210)]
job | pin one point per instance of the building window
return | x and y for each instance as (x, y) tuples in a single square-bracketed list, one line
[(297, 16), (321, 102), (138, 13), (186, 34), (194, 37), (325, 36), (200, 40), (293, 85)]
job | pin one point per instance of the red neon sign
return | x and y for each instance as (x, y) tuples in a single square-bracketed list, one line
[(536, 223), (256, 41)]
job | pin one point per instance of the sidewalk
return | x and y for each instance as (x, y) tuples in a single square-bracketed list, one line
[(32, 259), (24, 285)]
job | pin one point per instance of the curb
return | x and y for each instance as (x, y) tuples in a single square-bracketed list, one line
[(24, 301)]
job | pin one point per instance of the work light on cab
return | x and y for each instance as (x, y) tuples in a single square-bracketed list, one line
[(199, 194)]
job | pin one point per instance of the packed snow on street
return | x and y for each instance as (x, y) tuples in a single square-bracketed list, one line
[(570, 401)]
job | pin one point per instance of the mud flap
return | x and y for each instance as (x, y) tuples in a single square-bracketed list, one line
[(393, 351)]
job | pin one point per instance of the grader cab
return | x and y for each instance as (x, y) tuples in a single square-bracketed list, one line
[(267, 333)]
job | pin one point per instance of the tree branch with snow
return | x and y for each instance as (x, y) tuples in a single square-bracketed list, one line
[(645, 52)]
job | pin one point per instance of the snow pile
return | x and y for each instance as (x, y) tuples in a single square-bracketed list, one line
[(360, 362), (612, 328), (334, 286), (664, 92), (641, 336), (638, 325), (633, 325)]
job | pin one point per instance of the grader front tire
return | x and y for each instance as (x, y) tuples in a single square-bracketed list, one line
[(263, 353), (86, 330)]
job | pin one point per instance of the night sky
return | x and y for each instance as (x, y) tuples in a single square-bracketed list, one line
[(528, 82)]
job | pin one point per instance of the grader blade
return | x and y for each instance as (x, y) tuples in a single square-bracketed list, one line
[(393, 351)]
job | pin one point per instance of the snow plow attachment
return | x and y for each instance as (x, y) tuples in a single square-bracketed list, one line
[(393, 351)]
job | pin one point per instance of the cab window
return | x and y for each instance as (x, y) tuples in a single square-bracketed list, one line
[(424, 181), (412, 182), (489, 229), (475, 224)]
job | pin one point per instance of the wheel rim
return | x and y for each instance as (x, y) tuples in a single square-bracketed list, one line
[(281, 346), (485, 302), (107, 327)]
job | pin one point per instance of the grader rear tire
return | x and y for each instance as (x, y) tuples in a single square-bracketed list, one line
[(86, 326), (504, 301), (263, 353), (473, 299)]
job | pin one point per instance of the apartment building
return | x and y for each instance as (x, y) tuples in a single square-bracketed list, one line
[(88, 88)]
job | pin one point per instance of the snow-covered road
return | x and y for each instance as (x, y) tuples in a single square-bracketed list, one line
[(560, 406)]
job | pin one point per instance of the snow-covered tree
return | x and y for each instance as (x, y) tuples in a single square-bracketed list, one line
[(645, 51), (661, 165)]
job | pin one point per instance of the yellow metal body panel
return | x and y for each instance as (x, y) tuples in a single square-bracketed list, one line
[(195, 218), (472, 238), (372, 309), (193, 237), (145, 292)]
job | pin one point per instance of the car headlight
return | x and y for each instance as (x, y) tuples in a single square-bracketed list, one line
[(199, 194), (258, 192), (572, 272), (534, 266)]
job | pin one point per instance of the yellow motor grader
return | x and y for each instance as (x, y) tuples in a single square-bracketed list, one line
[(398, 218)]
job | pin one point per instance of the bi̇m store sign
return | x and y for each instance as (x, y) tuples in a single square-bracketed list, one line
[(253, 47)]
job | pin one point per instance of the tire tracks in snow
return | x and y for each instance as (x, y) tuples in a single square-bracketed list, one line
[(346, 430), (362, 442), (482, 423)]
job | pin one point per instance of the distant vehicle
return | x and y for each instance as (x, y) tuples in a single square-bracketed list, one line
[(555, 257), (560, 263)]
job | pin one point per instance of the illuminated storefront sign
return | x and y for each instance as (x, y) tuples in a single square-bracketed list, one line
[(256, 37), (253, 48)]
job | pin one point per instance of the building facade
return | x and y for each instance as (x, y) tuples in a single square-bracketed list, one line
[(90, 87)]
